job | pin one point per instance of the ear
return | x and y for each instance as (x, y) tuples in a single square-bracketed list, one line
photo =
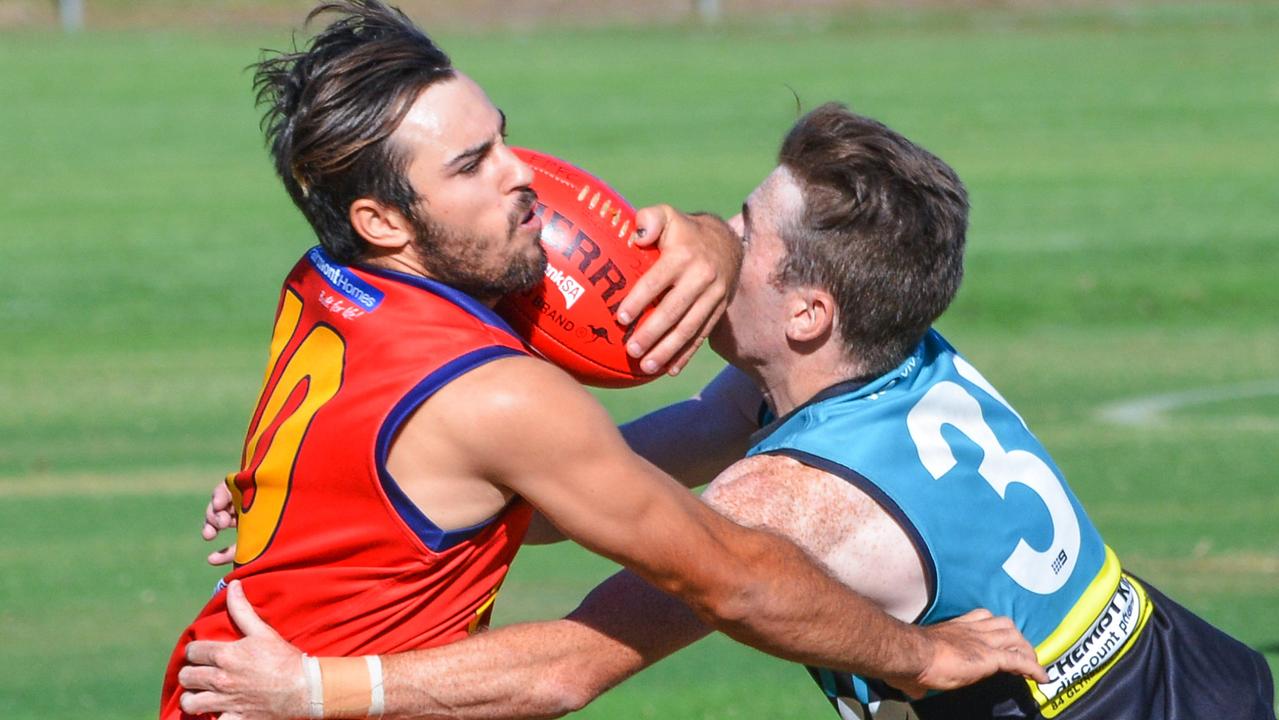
[(811, 314), (381, 226)]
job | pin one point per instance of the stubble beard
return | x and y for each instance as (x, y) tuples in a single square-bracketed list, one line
[(450, 257)]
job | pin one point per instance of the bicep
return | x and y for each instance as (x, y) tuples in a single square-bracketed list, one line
[(552, 443)]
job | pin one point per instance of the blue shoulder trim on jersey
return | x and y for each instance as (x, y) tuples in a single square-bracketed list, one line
[(476, 308), (431, 534), (878, 495)]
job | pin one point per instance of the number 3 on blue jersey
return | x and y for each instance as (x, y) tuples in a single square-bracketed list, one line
[(948, 403)]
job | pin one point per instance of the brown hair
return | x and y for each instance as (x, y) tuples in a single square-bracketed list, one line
[(882, 229), (331, 109)]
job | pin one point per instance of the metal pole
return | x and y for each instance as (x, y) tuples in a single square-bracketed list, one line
[(72, 14)]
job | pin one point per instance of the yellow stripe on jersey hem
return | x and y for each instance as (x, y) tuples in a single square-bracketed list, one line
[(1087, 609), (1099, 630)]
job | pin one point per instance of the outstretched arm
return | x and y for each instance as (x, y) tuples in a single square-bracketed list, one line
[(545, 669), (564, 457), (535, 670)]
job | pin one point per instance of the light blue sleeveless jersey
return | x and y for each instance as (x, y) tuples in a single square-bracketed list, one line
[(990, 514)]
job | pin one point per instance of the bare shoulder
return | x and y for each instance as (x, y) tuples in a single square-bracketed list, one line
[(516, 410), (848, 531), (514, 395), (511, 384), (813, 507)]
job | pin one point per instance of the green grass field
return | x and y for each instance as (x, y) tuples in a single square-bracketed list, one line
[(1124, 172)]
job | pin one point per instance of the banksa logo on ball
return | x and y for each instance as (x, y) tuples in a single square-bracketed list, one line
[(570, 317)]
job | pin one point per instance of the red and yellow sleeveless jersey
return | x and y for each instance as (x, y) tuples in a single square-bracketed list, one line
[(330, 550)]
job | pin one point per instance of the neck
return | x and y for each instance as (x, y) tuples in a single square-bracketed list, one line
[(792, 381), (409, 264), (404, 262)]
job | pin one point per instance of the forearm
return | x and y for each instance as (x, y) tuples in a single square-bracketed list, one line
[(791, 608), (542, 670), (521, 671), (687, 451), (754, 586), (695, 439)]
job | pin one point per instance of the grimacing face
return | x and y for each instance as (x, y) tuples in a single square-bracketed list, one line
[(474, 223), (754, 324)]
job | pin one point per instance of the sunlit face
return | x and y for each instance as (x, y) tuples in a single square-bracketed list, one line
[(753, 328), (475, 226)]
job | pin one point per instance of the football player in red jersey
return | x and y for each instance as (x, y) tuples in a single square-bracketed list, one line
[(404, 438)]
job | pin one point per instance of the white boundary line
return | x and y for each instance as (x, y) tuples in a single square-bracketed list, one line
[(1149, 410)]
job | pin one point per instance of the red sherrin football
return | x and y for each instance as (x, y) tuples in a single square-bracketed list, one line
[(569, 318)]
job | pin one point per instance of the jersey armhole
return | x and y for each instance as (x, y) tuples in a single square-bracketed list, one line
[(877, 494), (432, 536)]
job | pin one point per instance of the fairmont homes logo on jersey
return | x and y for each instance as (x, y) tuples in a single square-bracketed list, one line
[(344, 281)]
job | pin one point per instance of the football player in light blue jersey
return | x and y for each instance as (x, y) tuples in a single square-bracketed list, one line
[(882, 452)]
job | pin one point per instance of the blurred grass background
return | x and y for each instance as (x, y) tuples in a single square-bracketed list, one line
[(1123, 163)]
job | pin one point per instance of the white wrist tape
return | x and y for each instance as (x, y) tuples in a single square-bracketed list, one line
[(314, 683), (377, 695)]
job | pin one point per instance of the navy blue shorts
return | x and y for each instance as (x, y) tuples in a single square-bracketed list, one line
[(1179, 668)]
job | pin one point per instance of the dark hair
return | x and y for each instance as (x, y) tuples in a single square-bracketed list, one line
[(331, 109), (882, 229)]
